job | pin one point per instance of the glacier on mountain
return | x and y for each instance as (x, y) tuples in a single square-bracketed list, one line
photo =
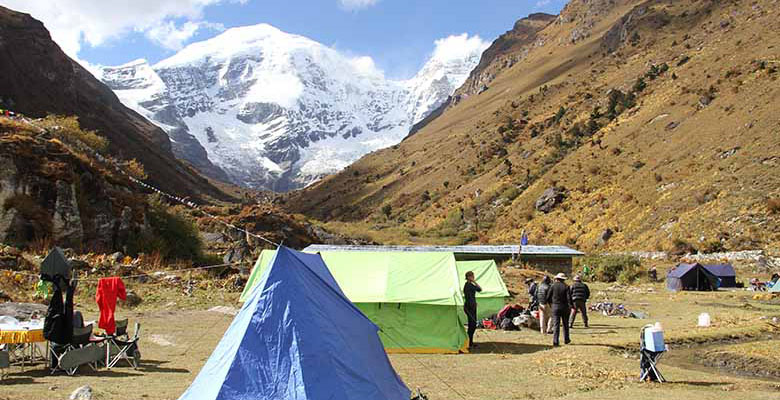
[(270, 110)]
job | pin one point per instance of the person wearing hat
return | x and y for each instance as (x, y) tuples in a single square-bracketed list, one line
[(579, 296), (532, 304), (470, 289), (559, 297)]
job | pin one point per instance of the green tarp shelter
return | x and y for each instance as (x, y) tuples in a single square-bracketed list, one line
[(494, 292), (414, 298)]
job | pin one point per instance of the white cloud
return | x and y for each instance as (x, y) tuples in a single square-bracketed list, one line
[(167, 34), (543, 3), (357, 4), (366, 66), (457, 47), (73, 23)]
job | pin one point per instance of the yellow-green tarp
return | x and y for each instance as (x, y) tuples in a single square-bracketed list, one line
[(494, 292), (414, 298)]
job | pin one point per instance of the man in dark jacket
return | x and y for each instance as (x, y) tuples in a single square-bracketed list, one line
[(545, 311), (470, 290), (532, 303), (559, 297), (580, 293)]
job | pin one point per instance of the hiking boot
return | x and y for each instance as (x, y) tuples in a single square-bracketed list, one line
[(567, 342)]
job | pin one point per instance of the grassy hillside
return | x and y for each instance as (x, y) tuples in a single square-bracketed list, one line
[(656, 120)]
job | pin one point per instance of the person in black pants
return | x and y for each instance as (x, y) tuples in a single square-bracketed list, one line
[(559, 297), (470, 290), (532, 287), (580, 293)]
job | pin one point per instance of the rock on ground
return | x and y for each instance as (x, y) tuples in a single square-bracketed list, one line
[(82, 393), (22, 311), (549, 199)]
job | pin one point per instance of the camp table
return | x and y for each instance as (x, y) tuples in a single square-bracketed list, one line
[(22, 341)]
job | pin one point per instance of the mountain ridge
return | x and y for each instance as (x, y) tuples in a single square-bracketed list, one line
[(266, 109), (623, 125)]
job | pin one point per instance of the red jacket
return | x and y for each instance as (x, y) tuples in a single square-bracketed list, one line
[(107, 292)]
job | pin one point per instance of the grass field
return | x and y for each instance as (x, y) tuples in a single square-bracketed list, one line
[(179, 334)]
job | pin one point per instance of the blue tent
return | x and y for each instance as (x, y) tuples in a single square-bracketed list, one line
[(691, 277), (726, 273), (298, 337)]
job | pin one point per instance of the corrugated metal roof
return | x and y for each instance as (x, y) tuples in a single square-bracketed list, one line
[(476, 249), (554, 250)]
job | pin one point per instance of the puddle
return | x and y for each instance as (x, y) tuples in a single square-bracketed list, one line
[(691, 358)]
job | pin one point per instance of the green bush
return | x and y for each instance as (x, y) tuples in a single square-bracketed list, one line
[(173, 235), (622, 269)]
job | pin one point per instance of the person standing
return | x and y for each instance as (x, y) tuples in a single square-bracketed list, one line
[(580, 293), (653, 274), (545, 311), (559, 297), (532, 288), (470, 290)]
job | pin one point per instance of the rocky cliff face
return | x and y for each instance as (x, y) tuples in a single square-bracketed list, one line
[(510, 48), (266, 109), (39, 79), (48, 193)]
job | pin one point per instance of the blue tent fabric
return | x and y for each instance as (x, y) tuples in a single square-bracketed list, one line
[(298, 338), (691, 277), (726, 273)]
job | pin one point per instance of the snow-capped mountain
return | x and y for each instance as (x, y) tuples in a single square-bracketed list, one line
[(267, 109)]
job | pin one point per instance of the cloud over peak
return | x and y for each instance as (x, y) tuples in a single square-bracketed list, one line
[(457, 47), (357, 4)]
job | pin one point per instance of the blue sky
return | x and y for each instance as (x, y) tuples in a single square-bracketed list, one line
[(397, 34)]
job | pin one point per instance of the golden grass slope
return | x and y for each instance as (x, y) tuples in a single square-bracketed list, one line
[(695, 157)]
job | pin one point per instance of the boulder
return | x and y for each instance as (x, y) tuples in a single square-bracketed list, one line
[(133, 299), (549, 199), (82, 393), (22, 311), (605, 236)]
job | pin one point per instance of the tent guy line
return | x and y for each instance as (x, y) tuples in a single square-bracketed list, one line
[(424, 365)]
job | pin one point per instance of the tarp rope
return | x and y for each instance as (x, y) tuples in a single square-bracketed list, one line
[(181, 200), (425, 366)]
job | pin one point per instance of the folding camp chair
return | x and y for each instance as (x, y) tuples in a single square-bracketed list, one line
[(648, 361), (118, 349), (83, 349)]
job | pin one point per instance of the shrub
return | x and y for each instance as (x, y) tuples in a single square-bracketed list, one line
[(715, 246), (681, 247), (387, 209), (510, 193), (136, 169), (68, 130), (773, 205), (172, 234), (623, 269)]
